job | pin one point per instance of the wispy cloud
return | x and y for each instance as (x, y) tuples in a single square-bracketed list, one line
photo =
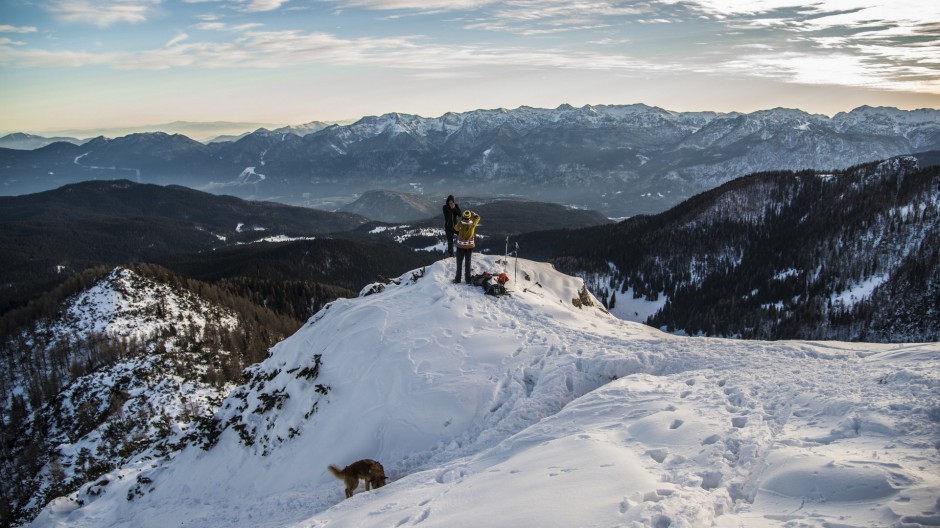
[(4, 28), (212, 26), (263, 5), (215, 25), (274, 49), (837, 68), (101, 13), (180, 37), (53, 59), (890, 46), (528, 30), (4, 41), (542, 17), (423, 5)]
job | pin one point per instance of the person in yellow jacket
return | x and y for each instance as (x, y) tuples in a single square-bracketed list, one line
[(466, 234)]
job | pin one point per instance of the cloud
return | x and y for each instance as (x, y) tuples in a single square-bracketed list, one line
[(177, 39), (212, 26), (264, 5), (4, 28), (610, 41), (530, 31), (101, 13), (287, 48), (544, 17), (841, 42), (858, 43), (53, 59), (422, 5), (837, 69)]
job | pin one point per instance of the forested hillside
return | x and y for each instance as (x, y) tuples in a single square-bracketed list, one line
[(47, 237), (849, 255), (113, 363)]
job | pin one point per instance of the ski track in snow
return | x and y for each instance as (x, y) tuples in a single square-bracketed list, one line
[(524, 410), (136, 171)]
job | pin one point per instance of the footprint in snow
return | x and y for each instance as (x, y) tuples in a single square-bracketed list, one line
[(659, 454), (711, 439), (711, 479)]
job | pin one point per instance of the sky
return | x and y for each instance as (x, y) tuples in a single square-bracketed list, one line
[(521, 411), (92, 64)]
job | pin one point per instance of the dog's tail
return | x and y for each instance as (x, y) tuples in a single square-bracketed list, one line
[(337, 472)]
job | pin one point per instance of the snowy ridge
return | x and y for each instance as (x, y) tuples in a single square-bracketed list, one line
[(471, 125), (915, 125), (530, 410), (126, 305)]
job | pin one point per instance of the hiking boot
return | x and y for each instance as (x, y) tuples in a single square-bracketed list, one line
[(456, 281)]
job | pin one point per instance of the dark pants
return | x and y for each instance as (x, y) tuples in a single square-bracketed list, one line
[(451, 237), (463, 255)]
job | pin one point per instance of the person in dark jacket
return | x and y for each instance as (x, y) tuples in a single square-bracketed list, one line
[(451, 217)]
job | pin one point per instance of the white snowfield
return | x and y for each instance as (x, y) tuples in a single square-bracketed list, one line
[(529, 411)]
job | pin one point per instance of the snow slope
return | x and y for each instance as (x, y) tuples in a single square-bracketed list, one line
[(528, 410)]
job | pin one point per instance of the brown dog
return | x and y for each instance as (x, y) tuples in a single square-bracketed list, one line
[(368, 470)]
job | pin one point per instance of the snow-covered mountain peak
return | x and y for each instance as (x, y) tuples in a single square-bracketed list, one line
[(540, 408), (889, 120), (453, 337)]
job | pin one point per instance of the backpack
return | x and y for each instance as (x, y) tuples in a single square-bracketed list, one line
[(480, 279), (494, 285), (495, 288)]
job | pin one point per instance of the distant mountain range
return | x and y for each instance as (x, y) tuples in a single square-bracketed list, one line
[(21, 141), (620, 160), (214, 132)]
